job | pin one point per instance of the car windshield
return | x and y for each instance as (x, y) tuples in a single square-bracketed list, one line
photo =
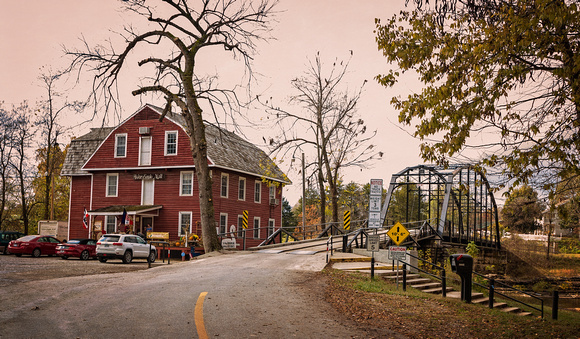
[(109, 238), (27, 238), (74, 241)]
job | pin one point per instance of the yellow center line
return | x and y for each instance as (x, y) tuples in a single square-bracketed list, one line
[(199, 324)]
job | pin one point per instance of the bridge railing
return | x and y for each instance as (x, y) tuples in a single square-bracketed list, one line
[(442, 275)]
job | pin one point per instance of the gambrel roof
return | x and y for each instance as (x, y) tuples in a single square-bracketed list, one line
[(225, 150)]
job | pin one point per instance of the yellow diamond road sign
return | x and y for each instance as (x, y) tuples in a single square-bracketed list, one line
[(398, 233)]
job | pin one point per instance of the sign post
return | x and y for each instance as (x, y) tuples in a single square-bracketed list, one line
[(373, 246), (376, 193)]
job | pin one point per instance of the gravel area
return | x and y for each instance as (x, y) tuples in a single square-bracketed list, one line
[(15, 269)]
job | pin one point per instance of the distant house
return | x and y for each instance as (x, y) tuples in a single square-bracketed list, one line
[(141, 174)]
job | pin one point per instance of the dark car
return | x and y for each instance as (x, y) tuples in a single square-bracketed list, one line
[(6, 237), (80, 248), (35, 245)]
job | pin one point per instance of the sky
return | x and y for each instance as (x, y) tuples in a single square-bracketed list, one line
[(33, 33)]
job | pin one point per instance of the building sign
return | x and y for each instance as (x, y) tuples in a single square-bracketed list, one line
[(149, 176), (376, 193), (229, 243)]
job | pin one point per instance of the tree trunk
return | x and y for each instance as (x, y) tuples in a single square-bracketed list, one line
[(198, 143)]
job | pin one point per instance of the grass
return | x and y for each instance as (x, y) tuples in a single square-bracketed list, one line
[(380, 304)]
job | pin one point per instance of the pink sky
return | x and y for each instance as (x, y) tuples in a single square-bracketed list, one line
[(32, 32)]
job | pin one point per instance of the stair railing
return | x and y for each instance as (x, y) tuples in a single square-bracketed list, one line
[(491, 288), (442, 277)]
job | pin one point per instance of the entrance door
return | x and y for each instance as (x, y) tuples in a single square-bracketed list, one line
[(146, 222), (147, 188)]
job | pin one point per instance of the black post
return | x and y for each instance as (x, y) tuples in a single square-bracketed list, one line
[(149, 261), (491, 291), (443, 284), (555, 305), (404, 276), (344, 243), (373, 267)]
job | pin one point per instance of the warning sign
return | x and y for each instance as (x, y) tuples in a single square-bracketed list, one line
[(398, 233)]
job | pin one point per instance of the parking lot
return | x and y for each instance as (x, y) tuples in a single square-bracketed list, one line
[(26, 268)]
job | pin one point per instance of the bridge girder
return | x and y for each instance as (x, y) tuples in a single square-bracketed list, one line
[(457, 201)]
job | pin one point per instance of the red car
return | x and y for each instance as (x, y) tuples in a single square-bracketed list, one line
[(35, 245), (80, 248)]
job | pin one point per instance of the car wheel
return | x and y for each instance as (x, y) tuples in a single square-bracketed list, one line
[(5, 250), (64, 257), (18, 254), (127, 257), (103, 259), (85, 255), (151, 257), (36, 252)]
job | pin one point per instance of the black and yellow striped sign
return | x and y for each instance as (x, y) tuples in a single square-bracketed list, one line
[(347, 220), (245, 219)]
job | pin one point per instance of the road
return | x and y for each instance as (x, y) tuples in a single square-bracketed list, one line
[(249, 295)]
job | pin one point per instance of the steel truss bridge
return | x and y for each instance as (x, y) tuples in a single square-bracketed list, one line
[(455, 204)]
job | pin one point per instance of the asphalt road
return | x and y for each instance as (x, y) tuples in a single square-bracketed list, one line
[(239, 295)]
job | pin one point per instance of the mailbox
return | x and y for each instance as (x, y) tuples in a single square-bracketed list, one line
[(462, 264)]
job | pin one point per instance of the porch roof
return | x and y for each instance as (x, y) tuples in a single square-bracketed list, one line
[(131, 210)]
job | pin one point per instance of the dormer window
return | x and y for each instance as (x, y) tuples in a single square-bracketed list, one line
[(171, 143), (120, 145)]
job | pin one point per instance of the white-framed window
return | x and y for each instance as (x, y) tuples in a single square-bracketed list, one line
[(256, 227), (272, 192), (170, 142), (145, 151), (223, 223), (184, 223), (112, 185), (240, 225), (271, 226), (225, 178), (111, 224), (147, 191), (258, 191), (186, 183), (121, 145), (242, 189)]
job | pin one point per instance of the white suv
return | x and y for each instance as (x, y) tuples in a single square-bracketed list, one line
[(125, 247)]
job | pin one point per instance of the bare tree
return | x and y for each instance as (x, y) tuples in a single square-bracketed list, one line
[(6, 185), (21, 142), (51, 110), (334, 132), (182, 30)]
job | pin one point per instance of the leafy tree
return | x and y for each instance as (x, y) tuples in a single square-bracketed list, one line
[(507, 68), (406, 205), (289, 220), (333, 130), (566, 203), (522, 210), (182, 32), (58, 191), (6, 152)]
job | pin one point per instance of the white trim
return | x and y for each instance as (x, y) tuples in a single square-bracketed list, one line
[(181, 194), (176, 142), (273, 221), (227, 176), (152, 191), (240, 179), (109, 175), (190, 222), (260, 191), (224, 233), (254, 227), (141, 150), (116, 145)]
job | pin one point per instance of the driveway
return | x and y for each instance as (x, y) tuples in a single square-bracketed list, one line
[(245, 295)]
